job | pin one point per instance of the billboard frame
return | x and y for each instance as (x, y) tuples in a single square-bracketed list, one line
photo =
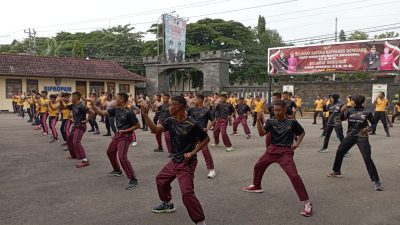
[(326, 44)]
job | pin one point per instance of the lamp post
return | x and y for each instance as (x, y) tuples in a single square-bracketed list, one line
[(270, 89)]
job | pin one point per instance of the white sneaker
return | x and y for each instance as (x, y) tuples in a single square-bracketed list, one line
[(211, 174), (215, 145), (134, 144), (230, 149)]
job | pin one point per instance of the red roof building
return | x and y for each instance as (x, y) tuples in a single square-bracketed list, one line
[(56, 74)]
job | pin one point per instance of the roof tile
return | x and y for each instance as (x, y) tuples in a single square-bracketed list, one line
[(46, 66)]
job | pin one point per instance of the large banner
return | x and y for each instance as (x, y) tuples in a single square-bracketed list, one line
[(341, 57), (174, 38)]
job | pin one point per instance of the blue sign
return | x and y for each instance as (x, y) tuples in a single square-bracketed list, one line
[(57, 89)]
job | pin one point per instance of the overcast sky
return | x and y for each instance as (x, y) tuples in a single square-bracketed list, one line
[(293, 19)]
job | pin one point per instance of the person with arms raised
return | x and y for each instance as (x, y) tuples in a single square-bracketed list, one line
[(187, 139)]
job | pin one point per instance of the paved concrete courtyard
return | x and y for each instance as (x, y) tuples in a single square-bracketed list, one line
[(40, 186)]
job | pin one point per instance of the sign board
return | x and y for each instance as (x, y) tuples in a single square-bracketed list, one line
[(174, 38), (288, 88), (375, 55), (376, 88), (57, 89)]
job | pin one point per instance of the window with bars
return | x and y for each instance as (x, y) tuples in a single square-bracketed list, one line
[(32, 85), (12, 86), (124, 88)]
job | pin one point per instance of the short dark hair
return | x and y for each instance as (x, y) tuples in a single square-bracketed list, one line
[(167, 95), (180, 100), (109, 95), (123, 96), (358, 100), (53, 96), (279, 103), (285, 93), (241, 98), (77, 94), (277, 94), (44, 92), (201, 96), (65, 95)]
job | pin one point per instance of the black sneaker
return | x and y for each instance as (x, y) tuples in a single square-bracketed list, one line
[(108, 134), (164, 208), (115, 174), (132, 184), (91, 130), (372, 133), (158, 150), (378, 186), (97, 132), (387, 135)]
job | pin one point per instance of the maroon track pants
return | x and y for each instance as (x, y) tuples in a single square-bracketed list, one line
[(53, 121), (220, 127), (242, 120), (208, 158), (120, 143), (134, 136), (184, 172), (74, 142), (159, 141), (285, 160), (43, 118)]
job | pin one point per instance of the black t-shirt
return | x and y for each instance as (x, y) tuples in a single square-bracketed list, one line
[(334, 114), (290, 106), (184, 136), (78, 112), (242, 109), (125, 118), (163, 112), (200, 115), (223, 110), (358, 120), (283, 132)]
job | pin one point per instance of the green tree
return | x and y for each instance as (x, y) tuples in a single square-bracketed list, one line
[(77, 50), (52, 47), (358, 35), (342, 36), (261, 25), (252, 65), (391, 34)]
